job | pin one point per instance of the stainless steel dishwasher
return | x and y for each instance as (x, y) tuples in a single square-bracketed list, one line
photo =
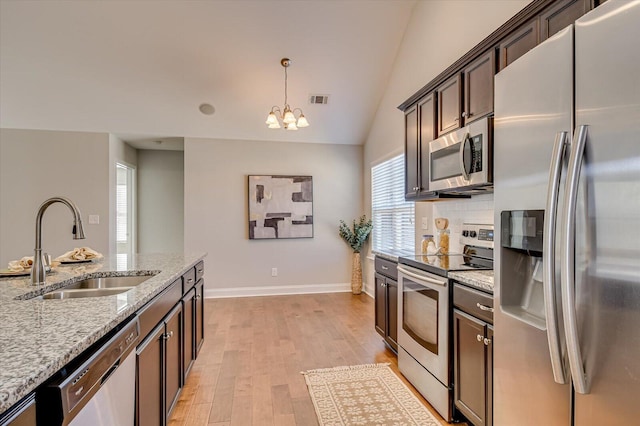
[(97, 388)]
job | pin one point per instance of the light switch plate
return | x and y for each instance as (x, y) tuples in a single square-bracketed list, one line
[(94, 219), (425, 223)]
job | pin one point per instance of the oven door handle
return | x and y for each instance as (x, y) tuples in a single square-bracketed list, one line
[(421, 277), (463, 144)]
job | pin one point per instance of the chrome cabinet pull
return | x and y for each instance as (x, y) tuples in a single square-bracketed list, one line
[(479, 337), (486, 341), (190, 280), (484, 307), (198, 297), (548, 259), (385, 268), (567, 265), (168, 335), (464, 114)]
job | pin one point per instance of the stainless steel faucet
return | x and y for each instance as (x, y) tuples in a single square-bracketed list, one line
[(38, 272)]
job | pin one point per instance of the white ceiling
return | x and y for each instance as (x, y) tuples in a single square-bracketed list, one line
[(140, 69)]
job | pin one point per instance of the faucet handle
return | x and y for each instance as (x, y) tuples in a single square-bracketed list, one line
[(46, 259)]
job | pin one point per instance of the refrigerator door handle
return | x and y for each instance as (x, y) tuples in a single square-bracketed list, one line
[(548, 260), (567, 265)]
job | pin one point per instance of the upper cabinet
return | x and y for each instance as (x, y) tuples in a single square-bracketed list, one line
[(449, 95), (478, 87), (411, 156), (419, 131), (561, 14), (518, 43)]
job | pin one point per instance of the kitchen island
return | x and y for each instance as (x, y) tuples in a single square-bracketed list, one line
[(38, 337)]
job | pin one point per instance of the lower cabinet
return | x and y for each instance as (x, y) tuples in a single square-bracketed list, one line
[(473, 368), (386, 294), (159, 370), (173, 324)]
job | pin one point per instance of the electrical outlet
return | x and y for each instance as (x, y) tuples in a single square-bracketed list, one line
[(425, 223), (94, 219), (274, 272)]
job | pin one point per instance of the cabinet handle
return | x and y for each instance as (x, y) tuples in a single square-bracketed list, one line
[(479, 337), (385, 268), (484, 307), (383, 285), (200, 270), (487, 342), (190, 280), (464, 114), (198, 296), (168, 336)]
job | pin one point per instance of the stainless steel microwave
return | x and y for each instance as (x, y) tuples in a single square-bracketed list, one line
[(462, 160)]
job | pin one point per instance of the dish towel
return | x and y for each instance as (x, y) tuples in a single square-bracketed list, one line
[(82, 253), (21, 265)]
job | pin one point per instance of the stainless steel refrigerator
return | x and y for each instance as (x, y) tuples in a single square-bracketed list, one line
[(567, 206)]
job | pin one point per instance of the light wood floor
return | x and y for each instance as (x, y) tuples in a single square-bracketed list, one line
[(248, 372)]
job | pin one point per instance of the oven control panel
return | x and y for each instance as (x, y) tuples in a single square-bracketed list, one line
[(477, 234)]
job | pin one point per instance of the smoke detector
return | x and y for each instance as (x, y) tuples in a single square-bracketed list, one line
[(318, 99)]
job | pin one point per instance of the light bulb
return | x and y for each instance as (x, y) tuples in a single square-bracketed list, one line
[(289, 118), (271, 119), (292, 126)]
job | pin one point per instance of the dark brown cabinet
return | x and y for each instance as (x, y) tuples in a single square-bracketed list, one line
[(448, 111), (386, 301), (173, 324), (478, 87), (561, 14), (159, 371), (519, 43), (411, 155), (473, 354), (419, 131)]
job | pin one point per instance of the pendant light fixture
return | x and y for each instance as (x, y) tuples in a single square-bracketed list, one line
[(286, 115)]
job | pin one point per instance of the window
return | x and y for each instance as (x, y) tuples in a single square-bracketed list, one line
[(393, 225), (125, 204)]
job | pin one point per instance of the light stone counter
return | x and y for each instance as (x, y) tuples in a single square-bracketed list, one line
[(479, 279), (38, 337)]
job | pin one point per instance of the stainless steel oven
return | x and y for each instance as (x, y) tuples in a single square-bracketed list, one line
[(462, 160), (423, 335)]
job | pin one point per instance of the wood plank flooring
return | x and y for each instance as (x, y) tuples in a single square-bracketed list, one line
[(248, 371)]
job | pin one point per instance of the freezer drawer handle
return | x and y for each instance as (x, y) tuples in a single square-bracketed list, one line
[(567, 266), (548, 260), (484, 307)]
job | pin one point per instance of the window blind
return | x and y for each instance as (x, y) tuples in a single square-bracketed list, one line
[(393, 217)]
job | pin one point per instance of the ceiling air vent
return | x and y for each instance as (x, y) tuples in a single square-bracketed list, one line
[(318, 99)]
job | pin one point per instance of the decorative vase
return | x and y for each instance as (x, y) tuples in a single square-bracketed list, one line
[(356, 274)]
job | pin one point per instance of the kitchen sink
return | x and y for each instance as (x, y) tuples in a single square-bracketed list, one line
[(108, 282), (91, 292), (97, 287)]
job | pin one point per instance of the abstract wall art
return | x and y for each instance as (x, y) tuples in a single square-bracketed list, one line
[(280, 207)]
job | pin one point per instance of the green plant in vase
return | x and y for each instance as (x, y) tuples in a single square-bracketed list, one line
[(355, 237)]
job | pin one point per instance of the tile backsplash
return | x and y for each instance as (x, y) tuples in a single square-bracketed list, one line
[(478, 209)]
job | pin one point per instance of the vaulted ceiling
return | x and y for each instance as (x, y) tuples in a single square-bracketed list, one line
[(140, 69)]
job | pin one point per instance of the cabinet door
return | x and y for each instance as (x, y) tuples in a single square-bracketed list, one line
[(392, 313), (411, 158), (489, 375), (150, 374), (469, 367), (478, 87), (199, 317), (560, 15), (381, 303), (519, 43), (427, 117), (173, 337), (188, 332), (449, 95)]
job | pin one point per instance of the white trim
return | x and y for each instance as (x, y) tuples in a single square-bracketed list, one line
[(219, 293)]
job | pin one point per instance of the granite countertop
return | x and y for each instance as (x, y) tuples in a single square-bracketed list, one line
[(392, 255), (38, 337), (479, 279)]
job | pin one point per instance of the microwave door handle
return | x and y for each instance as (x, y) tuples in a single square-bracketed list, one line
[(463, 144), (567, 265), (548, 259)]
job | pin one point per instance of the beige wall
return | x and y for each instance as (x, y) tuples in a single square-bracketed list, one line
[(439, 32), (160, 201), (216, 218), (36, 165)]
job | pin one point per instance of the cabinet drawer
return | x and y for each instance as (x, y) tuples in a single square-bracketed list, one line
[(199, 271), (386, 268), (473, 302), (188, 280), (153, 312)]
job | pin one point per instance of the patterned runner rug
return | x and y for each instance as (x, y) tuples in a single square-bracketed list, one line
[(364, 395)]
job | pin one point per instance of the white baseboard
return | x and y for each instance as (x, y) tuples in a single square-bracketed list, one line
[(218, 293)]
